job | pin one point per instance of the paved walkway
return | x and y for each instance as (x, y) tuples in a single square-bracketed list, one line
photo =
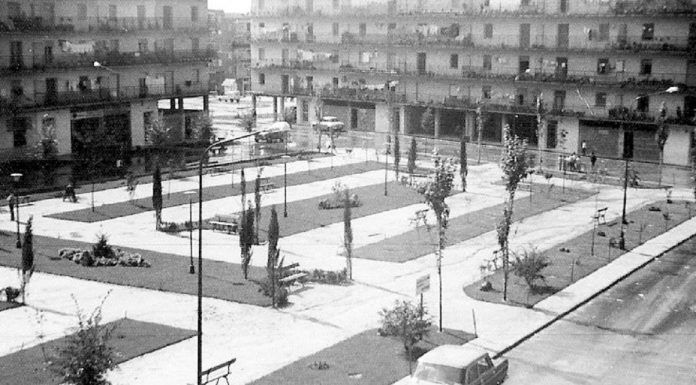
[(320, 315)]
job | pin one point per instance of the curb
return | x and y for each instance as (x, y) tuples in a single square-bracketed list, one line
[(586, 300)]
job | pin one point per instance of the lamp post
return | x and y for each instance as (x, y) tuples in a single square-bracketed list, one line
[(15, 178), (192, 269), (386, 164), (204, 156), (285, 185)]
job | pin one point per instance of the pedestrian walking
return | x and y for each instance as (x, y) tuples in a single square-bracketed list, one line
[(583, 148), (593, 160), (11, 203)]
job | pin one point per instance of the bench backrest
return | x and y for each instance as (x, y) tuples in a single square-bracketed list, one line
[(289, 267), (208, 372)]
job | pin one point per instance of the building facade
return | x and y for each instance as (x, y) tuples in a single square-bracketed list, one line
[(93, 72), (602, 70), (230, 38)]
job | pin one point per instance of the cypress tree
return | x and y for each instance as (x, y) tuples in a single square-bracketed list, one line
[(157, 195)]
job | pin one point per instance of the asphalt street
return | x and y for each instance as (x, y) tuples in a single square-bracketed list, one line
[(642, 331)]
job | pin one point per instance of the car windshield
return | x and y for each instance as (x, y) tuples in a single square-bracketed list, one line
[(439, 374)]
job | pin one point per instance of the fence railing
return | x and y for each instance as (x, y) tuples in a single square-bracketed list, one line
[(23, 24)]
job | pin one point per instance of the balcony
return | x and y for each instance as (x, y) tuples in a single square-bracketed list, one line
[(24, 24), (98, 96), (281, 64), (15, 64)]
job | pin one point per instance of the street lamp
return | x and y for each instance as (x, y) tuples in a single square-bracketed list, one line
[(285, 185), (192, 269), (15, 178), (622, 239), (204, 156), (386, 164)]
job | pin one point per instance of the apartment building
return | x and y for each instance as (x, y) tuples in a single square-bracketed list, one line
[(605, 71), (98, 66), (230, 38)]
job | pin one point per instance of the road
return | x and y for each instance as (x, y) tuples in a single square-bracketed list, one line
[(642, 331)]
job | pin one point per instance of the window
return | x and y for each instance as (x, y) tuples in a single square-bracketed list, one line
[(336, 4), (603, 32), (602, 66), (454, 60), (262, 78), (194, 14), (82, 12), (305, 111), (648, 31), (19, 127), (334, 82), (261, 5), (524, 3), (142, 45), (262, 54), (488, 31), (334, 57), (643, 103), (487, 62), (364, 57), (13, 9), (551, 132), (113, 12), (486, 92), (600, 99), (196, 76), (523, 64), (16, 88), (114, 45), (646, 67), (334, 29), (391, 27), (195, 43), (363, 29)]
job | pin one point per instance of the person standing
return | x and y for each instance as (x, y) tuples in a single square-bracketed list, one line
[(11, 203), (593, 160), (583, 148)]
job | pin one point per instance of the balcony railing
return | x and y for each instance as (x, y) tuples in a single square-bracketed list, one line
[(109, 59), (24, 24), (270, 64), (99, 96)]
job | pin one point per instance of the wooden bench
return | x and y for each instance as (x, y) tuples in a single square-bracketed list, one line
[(230, 228), (205, 375), (601, 215), (267, 186), (290, 279)]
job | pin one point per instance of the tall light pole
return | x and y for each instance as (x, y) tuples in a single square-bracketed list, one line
[(285, 185), (386, 164), (15, 178), (204, 156), (192, 269)]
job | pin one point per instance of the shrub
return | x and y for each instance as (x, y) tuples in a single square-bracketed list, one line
[(528, 266), (102, 249), (11, 293), (327, 277), (406, 321)]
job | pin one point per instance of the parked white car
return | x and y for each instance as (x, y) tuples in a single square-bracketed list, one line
[(458, 365), (329, 124)]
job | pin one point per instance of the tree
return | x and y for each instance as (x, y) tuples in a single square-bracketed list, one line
[(273, 253), (87, 355), (204, 129), (246, 239), (428, 121), (348, 233), (407, 321), (27, 256), (541, 126), (257, 202), (529, 266), (435, 191), (248, 122), (515, 166), (397, 153), (463, 166), (157, 195), (412, 158), (661, 137)]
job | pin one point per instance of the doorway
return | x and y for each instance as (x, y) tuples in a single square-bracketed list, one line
[(421, 63), (628, 145)]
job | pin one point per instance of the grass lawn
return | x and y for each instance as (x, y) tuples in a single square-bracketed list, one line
[(168, 272), (305, 215), (579, 261), (137, 206), (364, 359), (8, 305), (418, 242), (130, 339)]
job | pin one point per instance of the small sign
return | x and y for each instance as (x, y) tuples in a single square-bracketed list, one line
[(422, 284)]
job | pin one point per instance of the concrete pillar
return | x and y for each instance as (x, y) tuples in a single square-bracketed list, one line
[(172, 104), (438, 118), (281, 107), (206, 103), (275, 108), (402, 120), (470, 126), (182, 117)]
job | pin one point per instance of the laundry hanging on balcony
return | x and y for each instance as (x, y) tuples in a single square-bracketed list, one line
[(82, 47)]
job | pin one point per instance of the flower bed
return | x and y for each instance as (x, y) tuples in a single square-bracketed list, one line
[(119, 258)]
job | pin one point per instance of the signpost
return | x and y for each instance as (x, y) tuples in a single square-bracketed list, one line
[(422, 285)]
